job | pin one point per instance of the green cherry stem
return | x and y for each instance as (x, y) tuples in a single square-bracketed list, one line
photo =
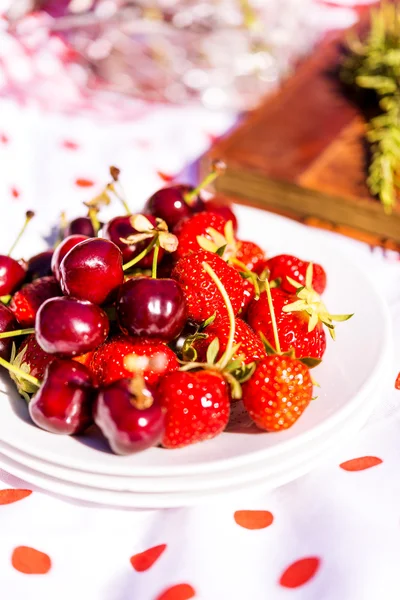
[(247, 271), (8, 334), (120, 196), (144, 253), (155, 259), (273, 318), (29, 215), (5, 299), (19, 372), (92, 214), (218, 167), (225, 358)]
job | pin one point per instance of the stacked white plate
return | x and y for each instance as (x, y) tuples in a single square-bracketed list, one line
[(352, 377)]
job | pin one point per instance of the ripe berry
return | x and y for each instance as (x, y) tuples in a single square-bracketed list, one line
[(92, 270), (69, 327), (153, 308)]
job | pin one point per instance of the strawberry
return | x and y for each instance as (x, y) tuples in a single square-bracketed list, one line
[(203, 298), (251, 348), (248, 295), (189, 230), (197, 406), (292, 326), (33, 360), (110, 362), (251, 256), (278, 392), (27, 301), (284, 265)]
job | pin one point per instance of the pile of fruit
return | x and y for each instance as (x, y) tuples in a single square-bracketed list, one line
[(153, 324)]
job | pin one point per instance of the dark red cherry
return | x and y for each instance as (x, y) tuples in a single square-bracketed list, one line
[(120, 227), (216, 205), (12, 274), (131, 422), (92, 271), (70, 327), (64, 401), (7, 323), (152, 308), (169, 204), (80, 226), (62, 250), (39, 265)]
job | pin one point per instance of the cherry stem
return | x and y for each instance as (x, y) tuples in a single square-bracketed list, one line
[(92, 214), (144, 253), (121, 197), (19, 372), (155, 259), (29, 215), (5, 299), (8, 334), (225, 358), (273, 318), (217, 168), (251, 274)]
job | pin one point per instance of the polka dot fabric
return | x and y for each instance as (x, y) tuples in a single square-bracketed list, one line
[(331, 535)]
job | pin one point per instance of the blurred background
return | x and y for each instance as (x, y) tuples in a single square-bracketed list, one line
[(147, 86)]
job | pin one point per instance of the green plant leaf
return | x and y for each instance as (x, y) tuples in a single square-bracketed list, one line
[(212, 351)]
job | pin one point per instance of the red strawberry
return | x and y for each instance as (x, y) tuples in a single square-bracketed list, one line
[(248, 295), (197, 406), (251, 347), (221, 207), (284, 266), (251, 255), (33, 360), (292, 326), (107, 364), (27, 301), (278, 392), (202, 295), (188, 230)]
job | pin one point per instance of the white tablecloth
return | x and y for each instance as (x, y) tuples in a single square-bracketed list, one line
[(331, 535)]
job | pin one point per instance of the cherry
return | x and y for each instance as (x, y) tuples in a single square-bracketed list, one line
[(7, 323), (154, 308), (12, 274), (92, 270), (169, 204), (69, 327), (63, 403), (120, 227), (177, 202), (216, 205), (80, 226), (39, 265), (62, 250), (128, 417)]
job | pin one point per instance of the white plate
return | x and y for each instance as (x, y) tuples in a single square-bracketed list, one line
[(208, 481), (298, 465), (352, 367)]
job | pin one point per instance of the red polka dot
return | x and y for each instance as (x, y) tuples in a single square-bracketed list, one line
[(397, 382), (145, 560), (182, 591), (165, 177), (10, 496), (253, 519), (360, 464), (70, 145), (84, 182), (30, 561), (3, 138), (15, 192), (299, 572)]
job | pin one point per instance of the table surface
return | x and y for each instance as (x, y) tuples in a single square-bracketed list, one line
[(331, 535)]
